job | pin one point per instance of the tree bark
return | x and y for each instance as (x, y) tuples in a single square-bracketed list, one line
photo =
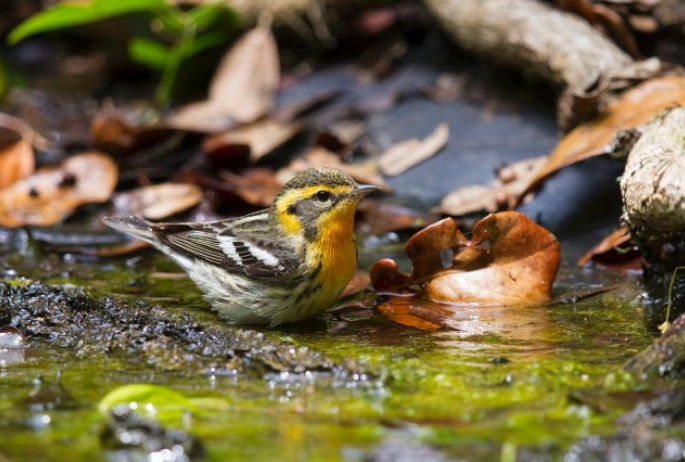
[(531, 36), (653, 184)]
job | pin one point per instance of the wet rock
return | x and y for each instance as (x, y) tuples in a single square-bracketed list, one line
[(395, 449), (653, 431), (665, 357), (67, 317), (131, 437)]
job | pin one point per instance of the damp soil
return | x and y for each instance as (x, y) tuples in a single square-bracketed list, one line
[(354, 386)]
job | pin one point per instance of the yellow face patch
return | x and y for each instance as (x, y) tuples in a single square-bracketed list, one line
[(291, 224)]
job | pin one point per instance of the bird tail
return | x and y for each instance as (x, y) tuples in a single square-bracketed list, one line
[(133, 226)]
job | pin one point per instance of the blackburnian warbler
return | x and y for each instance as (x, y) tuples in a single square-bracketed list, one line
[(285, 263)]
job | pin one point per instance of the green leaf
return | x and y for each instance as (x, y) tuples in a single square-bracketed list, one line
[(206, 41), (204, 16), (153, 401), (148, 52), (161, 404), (72, 14), (3, 80)]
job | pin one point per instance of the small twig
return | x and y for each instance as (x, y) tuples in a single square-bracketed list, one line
[(666, 324)]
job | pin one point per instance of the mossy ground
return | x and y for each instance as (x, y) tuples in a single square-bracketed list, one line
[(467, 394)]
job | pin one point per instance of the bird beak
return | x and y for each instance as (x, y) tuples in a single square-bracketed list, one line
[(364, 189)]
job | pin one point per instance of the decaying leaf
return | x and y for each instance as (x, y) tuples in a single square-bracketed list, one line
[(364, 172), (503, 194), (399, 310), (614, 252), (359, 282), (243, 88), (111, 130), (407, 154), (159, 201), (261, 137), (509, 261), (51, 194), (16, 162), (595, 137), (257, 186), (529, 325)]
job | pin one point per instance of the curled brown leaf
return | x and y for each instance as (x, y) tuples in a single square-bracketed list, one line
[(595, 137), (509, 261), (51, 194)]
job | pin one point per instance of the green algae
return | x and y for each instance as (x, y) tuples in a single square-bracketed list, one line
[(469, 394)]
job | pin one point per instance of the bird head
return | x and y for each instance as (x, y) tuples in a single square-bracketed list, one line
[(317, 199)]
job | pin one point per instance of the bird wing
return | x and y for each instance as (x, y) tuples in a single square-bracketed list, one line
[(220, 243)]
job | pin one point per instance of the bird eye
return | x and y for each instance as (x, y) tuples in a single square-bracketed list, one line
[(323, 196)]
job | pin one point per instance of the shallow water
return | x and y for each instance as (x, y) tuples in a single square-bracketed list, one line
[(502, 382)]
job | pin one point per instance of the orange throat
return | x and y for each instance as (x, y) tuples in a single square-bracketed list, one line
[(338, 253)]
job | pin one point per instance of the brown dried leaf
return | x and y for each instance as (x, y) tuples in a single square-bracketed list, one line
[(111, 131), (509, 261), (510, 322), (511, 181), (614, 252), (407, 154), (359, 283), (16, 162), (51, 194), (400, 310), (604, 17), (257, 186), (261, 137), (634, 108), (158, 201), (243, 88), (364, 172)]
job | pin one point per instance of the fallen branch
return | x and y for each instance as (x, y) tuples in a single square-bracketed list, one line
[(557, 46)]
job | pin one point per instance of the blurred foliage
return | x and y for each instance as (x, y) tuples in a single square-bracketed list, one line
[(176, 33), (3, 80)]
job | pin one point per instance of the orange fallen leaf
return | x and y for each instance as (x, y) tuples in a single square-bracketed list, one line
[(16, 162), (243, 88), (50, 194), (614, 252), (509, 261), (399, 310), (634, 108), (529, 325), (159, 201)]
